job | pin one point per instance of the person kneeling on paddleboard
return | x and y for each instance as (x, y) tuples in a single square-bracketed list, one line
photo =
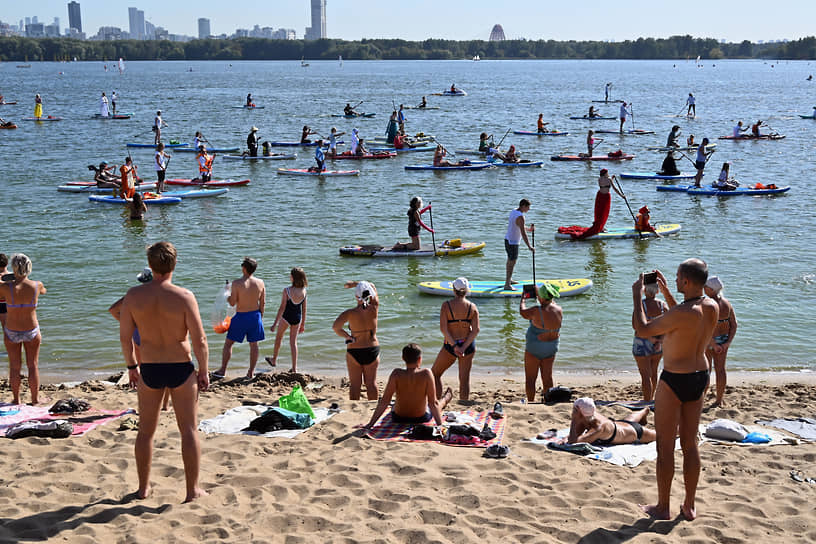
[(415, 212), (669, 166), (205, 163), (319, 157), (642, 221)]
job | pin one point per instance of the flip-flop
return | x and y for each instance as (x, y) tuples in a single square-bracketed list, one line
[(497, 412), (496, 451), (216, 376)]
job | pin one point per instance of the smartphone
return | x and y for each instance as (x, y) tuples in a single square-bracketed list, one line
[(7, 278), (528, 291), (650, 277)]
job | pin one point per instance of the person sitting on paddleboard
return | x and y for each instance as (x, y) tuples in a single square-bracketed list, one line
[(541, 124), (642, 221), (439, 158), (304, 135), (423, 104), (724, 181), (690, 140), (333, 135), (205, 163), (453, 88), (511, 155), (592, 113), (249, 103), (415, 212), (700, 162), (755, 129), (128, 184), (399, 140), (738, 130), (361, 148), (319, 157), (348, 110), (483, 138), (671, 141), (669, 166), (252, 141), (103, 177), (266, 149)]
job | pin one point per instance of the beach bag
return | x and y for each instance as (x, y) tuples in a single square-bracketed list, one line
[(69, 406), (55, 428), (725, 429), (279, 419), (558, 394), (296, 401)]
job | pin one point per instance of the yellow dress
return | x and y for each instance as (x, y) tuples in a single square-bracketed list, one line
[(37, 110)]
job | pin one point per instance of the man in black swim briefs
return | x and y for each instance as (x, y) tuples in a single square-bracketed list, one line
[(166, 315), (687, 328)]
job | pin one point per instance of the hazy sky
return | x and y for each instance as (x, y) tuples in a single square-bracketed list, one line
[(731, 20)]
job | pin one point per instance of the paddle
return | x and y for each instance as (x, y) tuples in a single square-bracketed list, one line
[(599, 141), (532, 239), (452, 153), (615, 180), (632, 111), (433, 238), (503, 137)]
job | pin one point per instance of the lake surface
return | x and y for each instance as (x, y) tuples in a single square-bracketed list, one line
[(88, 254)]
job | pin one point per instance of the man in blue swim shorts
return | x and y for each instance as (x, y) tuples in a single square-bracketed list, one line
[(248, 295)]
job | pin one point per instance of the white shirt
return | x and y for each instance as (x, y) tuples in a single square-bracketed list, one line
[(355, 141), (113, 96), (333, 141), (197, 142), (513, 235), (159, 161), (157, 122), (623, 111), (737, 131)]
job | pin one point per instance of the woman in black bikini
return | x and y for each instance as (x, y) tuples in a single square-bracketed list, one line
[(724, 332), (587, 425), (291, 313), (460, 337), (362, 347)]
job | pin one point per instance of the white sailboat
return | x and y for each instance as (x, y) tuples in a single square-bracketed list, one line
[(303, 62), (121, 66), (340, 59)]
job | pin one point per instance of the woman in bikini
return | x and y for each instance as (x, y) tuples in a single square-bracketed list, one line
[(587, 425), (22, 329), (723, 335), (292, 314), (542, 338), (460, 337), (362, 346), (415, 211), (649, 351)]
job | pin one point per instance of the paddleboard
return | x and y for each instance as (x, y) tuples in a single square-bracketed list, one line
[(365, 115), (209, 149), (149, 201), (94, 189), (115, 116), (631, 132), (568, 287), (664, 149), (608, 101), (479, 166), (275, 157), (153, 146), (11, 126), (800, 115), (455, 93), (371, 156), (214, 183), (245, 107), (752, 137), (404, 149), (48, 118), (406, 107), (517, 164), (739, 191), (442, 249), (471, 152), (596, 118), (298, 144), (610, 234), (673, 188), (196, 193), (13, 103), (650, 175), (592, 158), (532, 133), (324, 173)]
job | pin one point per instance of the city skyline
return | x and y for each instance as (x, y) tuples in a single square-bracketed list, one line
[(730, 20)]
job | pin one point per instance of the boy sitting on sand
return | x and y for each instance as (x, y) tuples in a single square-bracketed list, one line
[(414, 388)]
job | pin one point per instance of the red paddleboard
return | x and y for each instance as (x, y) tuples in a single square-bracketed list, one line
[(384, 155), (214, 183), (592, 158)]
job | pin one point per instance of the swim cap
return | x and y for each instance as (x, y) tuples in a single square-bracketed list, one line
[(549, 291), (586, 406), (714, 284)]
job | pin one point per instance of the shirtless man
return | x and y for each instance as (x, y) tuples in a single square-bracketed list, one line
[(248, 295), (165, 315), (687, 328), (415, 389), (587, 425)]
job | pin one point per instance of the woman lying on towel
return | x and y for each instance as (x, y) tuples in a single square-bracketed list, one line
[(587, 425)]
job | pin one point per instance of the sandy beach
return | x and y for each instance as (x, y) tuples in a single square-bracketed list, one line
[(330, 484)]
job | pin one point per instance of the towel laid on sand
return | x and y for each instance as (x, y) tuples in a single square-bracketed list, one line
[(234, 420), (803, 427), (631, 405), (82, 423), (624, 455), (386, 429)]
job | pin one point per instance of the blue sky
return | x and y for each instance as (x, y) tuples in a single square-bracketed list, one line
[(456, 19)]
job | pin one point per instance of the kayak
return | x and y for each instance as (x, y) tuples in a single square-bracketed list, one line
[(324, 173), (298, 144), (649, 175), (115, 116), (443, 249), (273, 157), (515, 164), (662, 229), (366, 115), (710, 190), (349, 156), (48, 118), (478, 166), (568, 287), (623, 157), (196, 193), (664, 149), (209, 149), (92, 188), (404, 149), (117, 200), (8, 126), (596, 118), (245, 107), (532, 133), (752, 137), (632, 132), (153, 146), (214, 183)]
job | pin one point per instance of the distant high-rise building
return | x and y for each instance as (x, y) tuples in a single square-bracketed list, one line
[(74, 16), (318, 29), (28, 20), (204, 28), (137, 26), (35, 20), (497, 34)]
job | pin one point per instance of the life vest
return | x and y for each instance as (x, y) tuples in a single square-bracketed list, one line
[(205, 166), (642, 223)]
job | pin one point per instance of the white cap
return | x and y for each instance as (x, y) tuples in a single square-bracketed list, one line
[(461, 284), (714, 284), (585, 405), (363, 290)]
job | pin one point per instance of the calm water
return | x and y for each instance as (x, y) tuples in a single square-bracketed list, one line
[(89, 254)]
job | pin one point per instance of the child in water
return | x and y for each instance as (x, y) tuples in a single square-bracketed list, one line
[(137, 207), (292, 314)]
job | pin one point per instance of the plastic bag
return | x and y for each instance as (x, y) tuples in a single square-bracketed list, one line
[(222, 312), (296, 401)]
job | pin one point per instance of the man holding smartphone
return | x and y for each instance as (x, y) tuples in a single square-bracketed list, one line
[(687, 328), (516, 231)]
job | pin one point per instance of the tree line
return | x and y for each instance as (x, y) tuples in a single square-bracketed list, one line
[(18, 49)]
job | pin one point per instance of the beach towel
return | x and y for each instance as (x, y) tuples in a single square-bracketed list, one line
[(777, 438), (629, 404), (82, 424), (234, 420), (624, 455), (803, 427), (386, 429)]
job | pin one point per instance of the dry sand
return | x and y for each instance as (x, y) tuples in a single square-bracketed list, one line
[(331, 485)]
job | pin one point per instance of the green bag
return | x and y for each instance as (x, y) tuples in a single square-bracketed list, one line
[(296, 401)]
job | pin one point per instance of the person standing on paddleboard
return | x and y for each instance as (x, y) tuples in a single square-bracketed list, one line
[(252, 141), (692, 107), (319, 157), (249, 103), (607, 90), (128, 171), (158, 122), (333, 135), (113, 102), (623, 113), (701, 160), (401, 119), (160, 160), (205, 163), (103, 106), (38, 106), (516, 231)]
